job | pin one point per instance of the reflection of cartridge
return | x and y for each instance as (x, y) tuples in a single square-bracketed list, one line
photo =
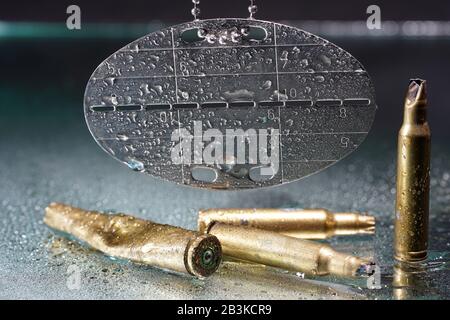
[(305, 224), (277, 250), (142, 241), (408, 281), (413, 177)]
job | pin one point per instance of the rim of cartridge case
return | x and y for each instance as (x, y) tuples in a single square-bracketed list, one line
[(193, 253)]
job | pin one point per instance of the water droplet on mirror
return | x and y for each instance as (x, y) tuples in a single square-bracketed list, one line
[(135, 165)]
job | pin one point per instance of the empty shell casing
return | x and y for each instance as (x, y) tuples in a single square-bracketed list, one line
[(298, 223), (123, 236), (281, 251), (413, 177)]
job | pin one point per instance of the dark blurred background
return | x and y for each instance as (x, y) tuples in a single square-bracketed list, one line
[(178, 10)]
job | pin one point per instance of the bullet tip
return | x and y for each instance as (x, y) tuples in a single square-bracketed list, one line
[(416, 90), (368, 221)]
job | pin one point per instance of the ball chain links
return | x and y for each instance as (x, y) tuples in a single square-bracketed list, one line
[(252, 9), (195, 10)]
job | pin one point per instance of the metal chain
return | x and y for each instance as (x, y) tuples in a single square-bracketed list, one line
[(252, 8), (196, 10)]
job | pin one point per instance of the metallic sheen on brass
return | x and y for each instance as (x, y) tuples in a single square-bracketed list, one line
[(409, 281), (298, 223), (277, 250), (413, 177), (123, 236)]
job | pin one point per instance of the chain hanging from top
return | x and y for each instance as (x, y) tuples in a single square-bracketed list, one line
[(195, 10), (252, 9)]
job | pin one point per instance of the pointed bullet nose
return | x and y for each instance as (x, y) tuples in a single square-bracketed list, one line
[(417, 90)]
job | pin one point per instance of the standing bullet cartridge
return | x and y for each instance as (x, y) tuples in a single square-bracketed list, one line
[(280, 251), (123, 236), (413, 177), (298, 223)]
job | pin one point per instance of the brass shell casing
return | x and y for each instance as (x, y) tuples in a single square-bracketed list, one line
[(298, 223), (413, 178), (277, 250), (127, 237)]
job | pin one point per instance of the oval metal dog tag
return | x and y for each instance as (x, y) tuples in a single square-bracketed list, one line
[(230, 103)]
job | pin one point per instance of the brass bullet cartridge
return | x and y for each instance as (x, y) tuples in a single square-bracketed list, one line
[(123, 236), (413, 177), (298, 223), (277, 250)]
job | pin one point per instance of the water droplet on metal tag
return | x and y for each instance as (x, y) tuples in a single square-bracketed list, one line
[(180, 100)]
